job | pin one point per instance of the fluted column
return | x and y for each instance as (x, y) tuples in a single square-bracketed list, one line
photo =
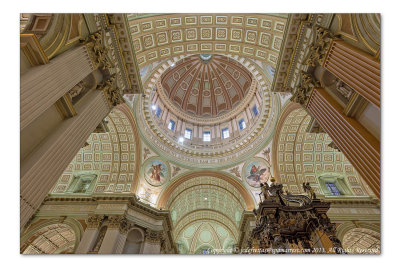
[(357, 144), (43, 85), (356, 68), (115, 238), (89, 236), (41, 169), (152, 242)]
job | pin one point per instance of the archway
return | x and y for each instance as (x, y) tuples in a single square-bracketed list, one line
[(110, 156), (300, 155), (206, 209), (362, 241), (57, 238)]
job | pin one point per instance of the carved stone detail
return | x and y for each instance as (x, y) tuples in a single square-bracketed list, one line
[(111, 92), (76, 90), (319, 49), (303, 91), (94, 221), (119, 222), (343, 89), (280, 225), (154, 236), (98, 51)]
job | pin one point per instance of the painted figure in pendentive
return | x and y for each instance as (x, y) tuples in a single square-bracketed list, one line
[(255, 173), (156, 172)]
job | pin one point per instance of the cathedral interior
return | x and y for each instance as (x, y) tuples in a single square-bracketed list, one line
[(209, 133)]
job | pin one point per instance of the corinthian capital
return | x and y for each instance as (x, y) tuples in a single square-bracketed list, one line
[(114, 221), (119, 222), (319, 49), (154, 236), (303, 91), (94, 221), (97, 51), (112, 92)]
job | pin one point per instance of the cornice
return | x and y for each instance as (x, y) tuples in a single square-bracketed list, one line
[(289, 52), (117, 30)]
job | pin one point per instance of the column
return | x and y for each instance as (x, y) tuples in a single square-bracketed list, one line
[(249, 115), (324, 241), (357, 144), (115, 238), (41, 169), (152, 242), (356, 68), (43, 85), (89, 236)]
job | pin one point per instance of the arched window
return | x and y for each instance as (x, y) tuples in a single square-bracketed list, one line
[(82, 183), (333, 185)]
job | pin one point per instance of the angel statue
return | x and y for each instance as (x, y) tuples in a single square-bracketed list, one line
[(309, 190)]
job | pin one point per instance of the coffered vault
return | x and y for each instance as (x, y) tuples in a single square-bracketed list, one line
[(193, 124)]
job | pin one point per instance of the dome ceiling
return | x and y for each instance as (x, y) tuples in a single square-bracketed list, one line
[(206, 85)]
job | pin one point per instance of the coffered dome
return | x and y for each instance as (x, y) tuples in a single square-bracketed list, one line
[(206, 85)]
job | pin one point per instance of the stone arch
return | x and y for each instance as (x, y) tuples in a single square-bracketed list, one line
[(113, 156), (362, 240), (57, 32), (344, 228), (303, 156), (206, 209), (285, 112), (61, 237), (128, 112), (249, 202)]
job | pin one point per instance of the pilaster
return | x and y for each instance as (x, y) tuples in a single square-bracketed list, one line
[(90, 234), (41, 169)]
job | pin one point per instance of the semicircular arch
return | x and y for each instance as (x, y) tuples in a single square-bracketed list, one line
[(165, 195)]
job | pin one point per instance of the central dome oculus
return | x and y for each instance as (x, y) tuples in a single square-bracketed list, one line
[(206, 85)]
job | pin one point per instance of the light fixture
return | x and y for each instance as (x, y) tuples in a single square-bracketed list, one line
[(205, 198), (153, 107)]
